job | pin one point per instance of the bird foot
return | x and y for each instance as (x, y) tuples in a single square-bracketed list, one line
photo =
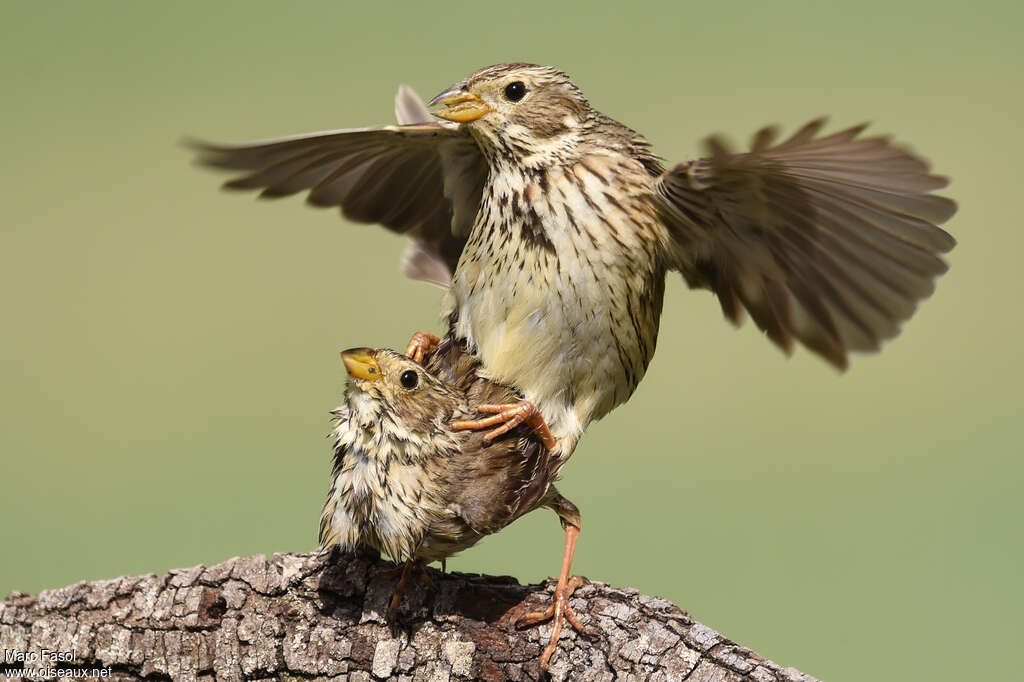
[(389, 573), (396, 572), (402, 573), (558, 613), (420, 346), (507, 417)]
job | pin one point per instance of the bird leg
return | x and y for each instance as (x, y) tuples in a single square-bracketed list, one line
[(389, 573), (403, 572), (420, 345), (508, 417), (560, 611)]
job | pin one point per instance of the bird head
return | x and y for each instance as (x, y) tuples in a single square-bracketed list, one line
[(391, 391), (532, 112)]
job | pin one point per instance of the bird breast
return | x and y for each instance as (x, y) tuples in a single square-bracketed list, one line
[(379, 495), (559, 288)]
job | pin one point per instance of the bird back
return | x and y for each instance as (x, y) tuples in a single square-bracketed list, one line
[(493, 483)]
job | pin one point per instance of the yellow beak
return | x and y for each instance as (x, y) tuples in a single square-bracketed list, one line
[(460, 106), (359, 363)]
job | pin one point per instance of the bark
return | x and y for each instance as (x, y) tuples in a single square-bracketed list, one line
[(303, 617)]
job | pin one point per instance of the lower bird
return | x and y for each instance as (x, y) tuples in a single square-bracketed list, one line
[(408, 484)]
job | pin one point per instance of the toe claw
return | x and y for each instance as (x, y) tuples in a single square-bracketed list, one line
[(558, 613), (574, 621), (507, 417), (421, 345), (403, 572), (389, 573), (534, 617)]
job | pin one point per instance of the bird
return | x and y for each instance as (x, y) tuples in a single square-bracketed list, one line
[(409, 485), (553, 229)]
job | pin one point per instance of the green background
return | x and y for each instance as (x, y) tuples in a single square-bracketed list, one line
[(169, 353)]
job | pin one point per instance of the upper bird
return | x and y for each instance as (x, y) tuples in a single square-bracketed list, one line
[(553, 228)]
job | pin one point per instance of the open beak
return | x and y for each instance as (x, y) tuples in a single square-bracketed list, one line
[(459, 106), (360, 364)]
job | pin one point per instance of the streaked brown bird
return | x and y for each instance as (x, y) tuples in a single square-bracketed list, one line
[(408, 484), (553, 227)]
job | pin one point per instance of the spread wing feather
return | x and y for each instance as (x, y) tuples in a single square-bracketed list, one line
[(419, 178), (831, 240)]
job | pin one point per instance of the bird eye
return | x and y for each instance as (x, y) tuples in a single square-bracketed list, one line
[(515, 91), (409, 379)]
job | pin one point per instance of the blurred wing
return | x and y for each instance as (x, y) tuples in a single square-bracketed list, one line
[(409, 108), (422, 179), (830, 240)]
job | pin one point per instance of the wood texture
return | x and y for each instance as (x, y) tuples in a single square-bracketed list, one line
[(303, 617)]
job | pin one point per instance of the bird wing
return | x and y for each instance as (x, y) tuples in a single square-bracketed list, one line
[(422, 179), (829, 240)]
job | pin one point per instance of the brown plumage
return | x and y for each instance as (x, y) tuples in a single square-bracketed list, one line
[(830, 240)]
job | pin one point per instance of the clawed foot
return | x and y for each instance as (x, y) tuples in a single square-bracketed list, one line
[(558, 613), (508, 417), (420, 346), (402, 573)]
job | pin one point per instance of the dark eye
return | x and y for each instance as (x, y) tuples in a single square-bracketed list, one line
[(515, 91), (409, 379)]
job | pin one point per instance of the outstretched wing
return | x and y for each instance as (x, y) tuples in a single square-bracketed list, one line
[(423, 179), (829, 240)]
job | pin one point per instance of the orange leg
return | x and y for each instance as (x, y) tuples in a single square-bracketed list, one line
[(420, 345), (396, 598), (508, 417), (389, 573), (403, 572), (560, 611)]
